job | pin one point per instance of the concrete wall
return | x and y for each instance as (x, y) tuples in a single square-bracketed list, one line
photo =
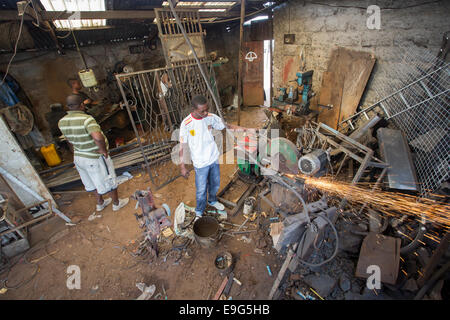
[(320, 28)]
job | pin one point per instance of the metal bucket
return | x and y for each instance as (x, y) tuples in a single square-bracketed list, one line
[(207, 232)]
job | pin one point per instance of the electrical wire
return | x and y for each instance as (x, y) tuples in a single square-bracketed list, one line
[(15, 47), (35, 12), (66, 36), (10, 266)]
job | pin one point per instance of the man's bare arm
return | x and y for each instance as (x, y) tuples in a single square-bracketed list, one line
[(99, 140), (237, 128), (184, 171)]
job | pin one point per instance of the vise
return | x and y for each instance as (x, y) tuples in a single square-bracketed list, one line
[(305, 79), (291, 95), (152, 220)]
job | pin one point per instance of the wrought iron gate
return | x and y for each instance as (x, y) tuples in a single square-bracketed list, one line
[(157, 101)]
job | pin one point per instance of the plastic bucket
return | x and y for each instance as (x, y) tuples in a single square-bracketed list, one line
[(207, 232)]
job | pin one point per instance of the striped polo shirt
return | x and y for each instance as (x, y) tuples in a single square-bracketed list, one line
[(77, 127)]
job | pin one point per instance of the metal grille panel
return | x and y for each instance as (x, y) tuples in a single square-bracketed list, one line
[(157, 101), (176, 50), (417, 101)]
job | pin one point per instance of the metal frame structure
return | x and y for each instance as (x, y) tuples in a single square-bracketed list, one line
[(170, 32), (157, 101), (351, 148)]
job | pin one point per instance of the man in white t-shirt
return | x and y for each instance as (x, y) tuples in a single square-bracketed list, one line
[(196, 132)]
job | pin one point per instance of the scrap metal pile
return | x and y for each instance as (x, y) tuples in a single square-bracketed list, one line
[(374, 193), (337, 224)]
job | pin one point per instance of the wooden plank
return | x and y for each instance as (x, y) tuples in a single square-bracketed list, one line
[(221, 288), (330, 95), (355, 67), (253, 74)]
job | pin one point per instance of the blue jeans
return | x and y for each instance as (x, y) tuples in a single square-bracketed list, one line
[(207, 183)]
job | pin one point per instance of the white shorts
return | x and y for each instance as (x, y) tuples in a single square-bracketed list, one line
[(96, 174)]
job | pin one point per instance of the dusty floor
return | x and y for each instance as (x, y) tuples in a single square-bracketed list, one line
[(108, 271)]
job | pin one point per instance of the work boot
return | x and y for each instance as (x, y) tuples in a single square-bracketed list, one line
[(106, 202), (122, 203), (217, 205)]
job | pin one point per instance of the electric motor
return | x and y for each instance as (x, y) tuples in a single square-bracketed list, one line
[(314, 163)]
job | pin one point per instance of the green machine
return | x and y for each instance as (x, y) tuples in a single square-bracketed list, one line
[(280, 152), (248, 149)]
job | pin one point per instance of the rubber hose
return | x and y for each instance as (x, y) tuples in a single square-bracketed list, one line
[(415, 243), (335, 250), (305, 210), (432, 281)]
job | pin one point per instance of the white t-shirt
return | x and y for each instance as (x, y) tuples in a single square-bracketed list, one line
[(197, 133)]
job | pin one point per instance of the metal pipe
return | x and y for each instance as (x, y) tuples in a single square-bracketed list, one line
[(177, 19)]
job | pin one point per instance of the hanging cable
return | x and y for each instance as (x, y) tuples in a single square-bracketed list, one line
[(15, 47), (78, 49), (65, 36)]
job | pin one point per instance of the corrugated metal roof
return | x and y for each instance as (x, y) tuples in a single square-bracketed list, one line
[(117, 31)]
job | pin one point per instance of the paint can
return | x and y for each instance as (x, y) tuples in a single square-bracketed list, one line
[(207, 232), (249, 203)]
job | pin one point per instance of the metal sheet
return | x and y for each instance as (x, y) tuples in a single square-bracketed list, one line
[(381, 251), (14, 161), (394, 150)]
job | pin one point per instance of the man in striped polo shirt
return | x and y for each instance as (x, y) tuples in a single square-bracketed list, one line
[(91, 156)]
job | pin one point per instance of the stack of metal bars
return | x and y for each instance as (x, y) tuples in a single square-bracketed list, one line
[(416, 99)]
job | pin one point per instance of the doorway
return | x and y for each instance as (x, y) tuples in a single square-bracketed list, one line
[(268, 49)]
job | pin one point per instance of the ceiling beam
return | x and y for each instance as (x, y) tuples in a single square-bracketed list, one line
[(8, 15)]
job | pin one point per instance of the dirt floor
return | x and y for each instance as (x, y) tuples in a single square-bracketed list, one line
[(101, 248)]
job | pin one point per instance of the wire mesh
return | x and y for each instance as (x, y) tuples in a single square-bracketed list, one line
[(416, 99)]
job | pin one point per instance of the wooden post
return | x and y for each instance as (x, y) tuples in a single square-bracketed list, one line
[(241, 56)]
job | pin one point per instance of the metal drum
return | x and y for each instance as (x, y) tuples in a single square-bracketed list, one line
[(207, 232)]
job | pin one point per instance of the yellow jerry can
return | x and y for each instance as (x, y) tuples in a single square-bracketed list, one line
[(50, 155)]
